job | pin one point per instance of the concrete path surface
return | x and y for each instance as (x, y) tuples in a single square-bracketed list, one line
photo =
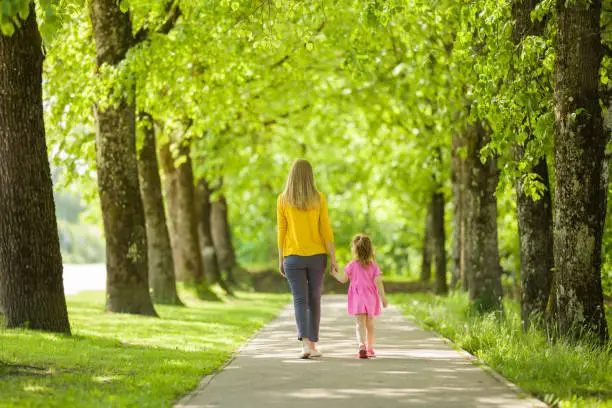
[(414, 368)]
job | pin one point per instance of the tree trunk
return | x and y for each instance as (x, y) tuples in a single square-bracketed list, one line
[(439, 242), (536, 247), (580, 192), (127, 284), (426, 251), (184, 231), (222, 238), (207, 246), (31, 284), (534, 217), (482, 267), (161, 265), (170, 188), (458, 188)]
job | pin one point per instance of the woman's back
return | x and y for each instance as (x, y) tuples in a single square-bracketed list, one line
[(303, 232)]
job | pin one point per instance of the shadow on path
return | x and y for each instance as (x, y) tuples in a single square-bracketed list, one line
[(414, 368)]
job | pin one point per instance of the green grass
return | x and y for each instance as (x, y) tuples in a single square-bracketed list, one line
[(124, 360), (560, 374)]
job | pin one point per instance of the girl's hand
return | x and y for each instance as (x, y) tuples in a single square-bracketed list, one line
[(385, 303), (333, 268)]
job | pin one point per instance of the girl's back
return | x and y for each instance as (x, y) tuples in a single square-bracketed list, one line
[(362, 277)]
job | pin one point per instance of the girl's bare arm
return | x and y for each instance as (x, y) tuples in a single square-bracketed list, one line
[(381, 290), (341, 277)]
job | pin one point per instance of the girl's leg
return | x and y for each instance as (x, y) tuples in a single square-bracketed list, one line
[(371, 331), (315, 273), (360, 328), (296, 275)]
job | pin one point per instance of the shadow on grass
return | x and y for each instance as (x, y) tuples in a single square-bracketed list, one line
[(126, 360)]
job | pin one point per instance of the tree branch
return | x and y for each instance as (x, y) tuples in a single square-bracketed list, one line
[(218, 186), (271, 122), (286, 57), (174, 13)]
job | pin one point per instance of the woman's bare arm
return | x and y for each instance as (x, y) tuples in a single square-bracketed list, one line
[(331, 250)]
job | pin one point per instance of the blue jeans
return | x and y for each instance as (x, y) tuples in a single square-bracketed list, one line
[(305, 276)]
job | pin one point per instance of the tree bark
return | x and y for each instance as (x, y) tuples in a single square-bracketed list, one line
[(162, 281), (31, 284), (482, 267), (184, 231), (127, 285), (534, 217), (580, 189), (458, 188), (207, 246), (222, 238), (169, 182), (536, 247), (426, 251), (439, 242)]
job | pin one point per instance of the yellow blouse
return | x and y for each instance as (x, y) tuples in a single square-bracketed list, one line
[(303, 232)]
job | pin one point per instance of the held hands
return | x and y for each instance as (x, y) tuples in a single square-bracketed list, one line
[(333, 268)]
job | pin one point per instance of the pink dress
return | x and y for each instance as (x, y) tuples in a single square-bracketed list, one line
[(363, 292)]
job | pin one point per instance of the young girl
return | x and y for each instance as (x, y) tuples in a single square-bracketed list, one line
[(365, 291)]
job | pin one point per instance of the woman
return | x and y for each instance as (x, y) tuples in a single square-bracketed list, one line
[(305, 238)]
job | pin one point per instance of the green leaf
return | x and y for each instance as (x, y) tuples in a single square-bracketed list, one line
[(24, 10), (124, 5), (7, 29)]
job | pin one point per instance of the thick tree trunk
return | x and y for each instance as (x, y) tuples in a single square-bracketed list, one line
[(31, 284), (427, 250), (458, 188), (466, 209), (580, 190), (184, 231), (536, 248), (127, 283), (439, 242), (482, 267), (161, 265), (207, 246), (534, 217), (222, 237), (170, 187)]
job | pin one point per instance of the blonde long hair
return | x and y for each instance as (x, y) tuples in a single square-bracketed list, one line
[(301, 191)]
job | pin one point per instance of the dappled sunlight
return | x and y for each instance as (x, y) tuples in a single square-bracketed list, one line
[(106, 378), (36, 389), (413, 367), (119, 359)]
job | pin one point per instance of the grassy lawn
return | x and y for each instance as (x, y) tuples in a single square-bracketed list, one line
[(123, 360), (560, 374)]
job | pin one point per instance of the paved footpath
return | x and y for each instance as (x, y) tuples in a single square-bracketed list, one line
[(414, 368)]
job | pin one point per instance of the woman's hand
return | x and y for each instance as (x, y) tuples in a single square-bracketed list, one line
[(281, 263), (384, 302), (333, 267)]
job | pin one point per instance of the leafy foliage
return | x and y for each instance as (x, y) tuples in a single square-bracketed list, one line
[(371, 92)]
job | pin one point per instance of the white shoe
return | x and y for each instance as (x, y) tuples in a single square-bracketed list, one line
[(315, 353), (305, 351)]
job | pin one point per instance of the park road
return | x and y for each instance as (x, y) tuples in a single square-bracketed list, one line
[(414, 368)]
